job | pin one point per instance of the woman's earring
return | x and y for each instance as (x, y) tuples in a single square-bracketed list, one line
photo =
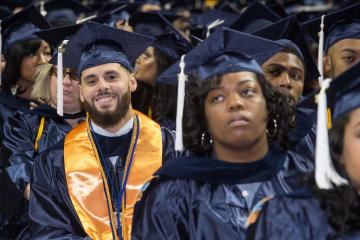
[(272, 134), (203, 135)]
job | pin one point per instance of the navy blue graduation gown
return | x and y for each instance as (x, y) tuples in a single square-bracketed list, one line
[(205, 198), (18, 153), (52, 215), (297, 216), (303, 136)]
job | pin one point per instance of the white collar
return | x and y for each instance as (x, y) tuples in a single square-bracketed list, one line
[(122, 131)]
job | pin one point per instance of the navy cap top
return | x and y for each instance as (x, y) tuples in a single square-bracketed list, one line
[(151, 23), (22, 26), (172, 45), (210, 16), (343, 93), (63, 12), (55, 36), (221, 53), (95, 44), (289, 32), (111, 17), (256, 16), (340, 24)]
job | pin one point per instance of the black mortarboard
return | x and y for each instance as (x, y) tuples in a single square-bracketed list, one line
[(64, 12), (343, 93), (172, 45), (203, 24), (339, 24), (222, 53), (55, 36), (255, 17), (212, 15), (289, 32), (95, 44), (22, 26), (111, 17), (150, 23)]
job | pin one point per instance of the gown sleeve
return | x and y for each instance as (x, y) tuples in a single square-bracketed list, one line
[(17, 152), (51, 213)]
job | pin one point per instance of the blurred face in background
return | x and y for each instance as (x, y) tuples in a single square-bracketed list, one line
[(31, 62), (145, 69)]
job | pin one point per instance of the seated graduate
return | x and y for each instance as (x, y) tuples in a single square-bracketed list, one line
[(341, 38), (288, 71), (331, 208), (233, 123), (23, 52), (85, 186), (33, 131)]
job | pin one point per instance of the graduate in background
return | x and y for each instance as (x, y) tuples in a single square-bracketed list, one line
[(85, 186), (233, 123), (342, 38), (319, 213), (30, 132), (23, 51)]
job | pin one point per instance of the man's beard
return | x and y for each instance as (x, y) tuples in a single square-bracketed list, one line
[(109, 118)]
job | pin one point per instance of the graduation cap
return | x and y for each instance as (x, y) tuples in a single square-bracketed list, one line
[(64, 12), (218, 54), (151, 23), (55, 37), (95, 44), (289, 32), (172, 45), (204, 23), (255, 17), (339, 24), (111, 17), (343, 93), (21, 27), (336, 98)]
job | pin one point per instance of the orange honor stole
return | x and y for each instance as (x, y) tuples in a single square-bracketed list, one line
[(86, 180)]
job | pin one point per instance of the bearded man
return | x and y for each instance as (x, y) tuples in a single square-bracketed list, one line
[(87, 185)]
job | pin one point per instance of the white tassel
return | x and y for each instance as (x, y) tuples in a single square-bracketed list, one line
[(321, 51), (42, 9), (60, 78), (212, 25), (325, 173), (182, 78)]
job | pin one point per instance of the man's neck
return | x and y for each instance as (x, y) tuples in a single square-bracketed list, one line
[(116, 129), (242, 155)]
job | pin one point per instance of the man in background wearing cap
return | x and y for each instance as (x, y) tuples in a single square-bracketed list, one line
[(86, 186), (342, 39)]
